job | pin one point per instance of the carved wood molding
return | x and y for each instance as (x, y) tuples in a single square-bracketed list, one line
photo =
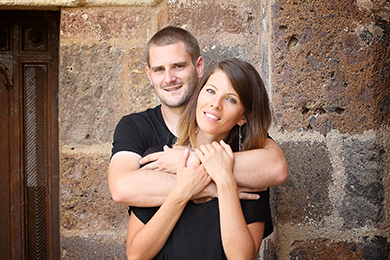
[(8, 77)]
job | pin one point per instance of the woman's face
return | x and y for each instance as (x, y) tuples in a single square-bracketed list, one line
[(219, 107)]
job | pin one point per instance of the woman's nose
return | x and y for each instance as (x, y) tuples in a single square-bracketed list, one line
[(217, 103)]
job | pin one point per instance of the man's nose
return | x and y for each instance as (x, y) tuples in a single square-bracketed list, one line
[(169, 77)]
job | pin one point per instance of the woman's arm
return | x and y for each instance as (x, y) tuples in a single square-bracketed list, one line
[(145, 241), (239, 240)]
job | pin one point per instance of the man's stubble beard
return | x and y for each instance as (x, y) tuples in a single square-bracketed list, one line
[(185, 98)]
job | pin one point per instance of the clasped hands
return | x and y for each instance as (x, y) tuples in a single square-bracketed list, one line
[(217, 158)]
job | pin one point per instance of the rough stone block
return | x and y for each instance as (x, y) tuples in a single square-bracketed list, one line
[(103, 24), (94, 94), (304, 198), (86, 202), (374, 248), (94, 247), (232, 30), (330, 67), (363, 203), (267, 251)]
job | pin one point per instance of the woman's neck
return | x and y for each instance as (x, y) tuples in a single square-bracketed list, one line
[(205, 138)]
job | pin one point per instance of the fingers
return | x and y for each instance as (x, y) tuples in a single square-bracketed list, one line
[(195, 161), (213, 148), (182, 161), (227, 148), (248, 196), (166, 148), (150, 158), (150, 166)]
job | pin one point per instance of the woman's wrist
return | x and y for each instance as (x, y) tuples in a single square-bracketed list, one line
[(227, 183), (180, 195)]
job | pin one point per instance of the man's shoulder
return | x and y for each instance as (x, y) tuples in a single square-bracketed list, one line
[(148, 113), (148, 116)]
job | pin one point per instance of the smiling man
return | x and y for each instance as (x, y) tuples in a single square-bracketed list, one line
[(174, 66)]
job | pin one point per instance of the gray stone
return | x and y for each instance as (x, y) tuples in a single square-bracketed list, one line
[(304, 198), (363, 204)]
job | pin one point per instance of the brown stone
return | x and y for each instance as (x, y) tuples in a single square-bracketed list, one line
[(94, 247), (104, 24), (94, 95), (86, 202), (232, 30), (375, 248), (269, 250), (321, 248), (331, 67)]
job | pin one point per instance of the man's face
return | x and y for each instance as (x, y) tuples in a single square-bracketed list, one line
[(172, 74)]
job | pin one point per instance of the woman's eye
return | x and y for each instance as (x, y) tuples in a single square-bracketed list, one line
[(210, 91), (231, 100)]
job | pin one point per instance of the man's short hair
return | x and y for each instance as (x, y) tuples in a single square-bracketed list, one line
[(171, 35)]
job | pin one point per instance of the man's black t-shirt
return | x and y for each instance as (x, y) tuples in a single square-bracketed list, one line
[(138, 132)]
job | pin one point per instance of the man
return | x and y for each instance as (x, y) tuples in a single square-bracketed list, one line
[(174, 66)]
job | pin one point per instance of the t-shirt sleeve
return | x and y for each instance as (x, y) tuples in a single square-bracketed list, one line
[(258, 211), (143, 214), (128, 136)]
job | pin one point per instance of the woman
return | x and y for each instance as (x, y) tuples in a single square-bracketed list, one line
[(230, 107)]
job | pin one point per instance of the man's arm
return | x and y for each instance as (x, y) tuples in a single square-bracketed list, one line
[(254, 169), (137, 187), (261, 168)]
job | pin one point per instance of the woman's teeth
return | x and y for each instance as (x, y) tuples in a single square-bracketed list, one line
[(211, 116)]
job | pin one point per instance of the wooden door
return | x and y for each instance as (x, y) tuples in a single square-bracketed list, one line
[(29, 167)]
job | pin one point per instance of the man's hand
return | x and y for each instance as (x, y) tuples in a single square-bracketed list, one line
[(166, 161), (246, 193), (243, 193)]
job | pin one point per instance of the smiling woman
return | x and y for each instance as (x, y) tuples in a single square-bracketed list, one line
[(230, 96), (218, 110), (236, 83)]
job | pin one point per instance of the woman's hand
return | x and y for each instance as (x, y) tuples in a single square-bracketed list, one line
[(218, 159), (192, 179)]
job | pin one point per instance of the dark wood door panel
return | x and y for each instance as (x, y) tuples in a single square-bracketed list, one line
[(5, 216), (28, 95)]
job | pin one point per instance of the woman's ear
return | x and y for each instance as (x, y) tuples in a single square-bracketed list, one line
[(241, 121)]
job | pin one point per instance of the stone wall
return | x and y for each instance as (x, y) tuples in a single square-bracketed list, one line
[(326, 65), (331, 94), (102, 78)]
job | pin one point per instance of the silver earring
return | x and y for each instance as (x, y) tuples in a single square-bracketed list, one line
[(239, 139)]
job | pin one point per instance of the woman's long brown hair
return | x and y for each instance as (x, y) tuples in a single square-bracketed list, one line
[(249, 86)]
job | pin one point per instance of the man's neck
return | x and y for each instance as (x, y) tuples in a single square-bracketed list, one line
[(171, 117)]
